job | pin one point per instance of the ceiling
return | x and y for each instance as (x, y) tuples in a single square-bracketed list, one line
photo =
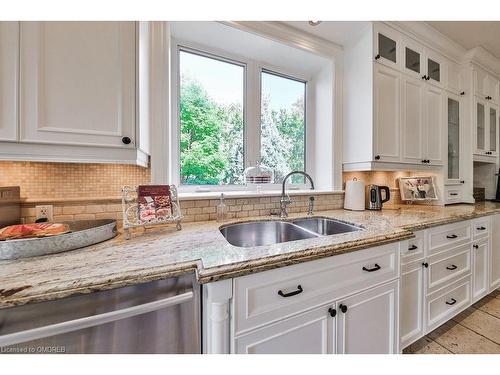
[(470, 34), (339, 32)]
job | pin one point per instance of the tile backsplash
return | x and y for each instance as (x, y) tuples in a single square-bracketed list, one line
[(40, 180)]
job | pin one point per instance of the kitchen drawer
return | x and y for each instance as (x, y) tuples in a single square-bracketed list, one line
[(446, 303), (415, 249), (453, 194), (448, 236), (447, 267), (481, 227), (268, 296)]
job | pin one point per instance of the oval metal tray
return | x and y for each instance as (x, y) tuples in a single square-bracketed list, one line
[(83, 233)]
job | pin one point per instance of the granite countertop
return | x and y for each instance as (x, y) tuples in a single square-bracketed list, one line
[(163, 252)]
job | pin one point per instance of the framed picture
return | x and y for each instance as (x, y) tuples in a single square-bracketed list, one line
[(417, 188)]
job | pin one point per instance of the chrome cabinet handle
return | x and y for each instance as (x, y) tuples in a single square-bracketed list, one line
[(291, 294)]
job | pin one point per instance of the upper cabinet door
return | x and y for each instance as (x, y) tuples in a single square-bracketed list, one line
[(480, 128), (493, 88), (387, 114), (454, 81), (9, 33), (77, 82), (493, 129), (386, 46), (481, 83), (435, 123), (434, 68), (413, 59), (412, 121)]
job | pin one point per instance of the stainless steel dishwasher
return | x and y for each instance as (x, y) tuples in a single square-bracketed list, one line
[(156, 317)]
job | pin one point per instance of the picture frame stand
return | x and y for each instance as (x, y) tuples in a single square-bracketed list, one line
[(130, 211)]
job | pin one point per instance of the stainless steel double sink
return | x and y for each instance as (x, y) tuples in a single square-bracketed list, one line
[(260, 233)]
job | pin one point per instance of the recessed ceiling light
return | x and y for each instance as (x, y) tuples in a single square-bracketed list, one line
[(314, 23)]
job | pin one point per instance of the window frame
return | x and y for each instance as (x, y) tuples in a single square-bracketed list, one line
[(252, 89)]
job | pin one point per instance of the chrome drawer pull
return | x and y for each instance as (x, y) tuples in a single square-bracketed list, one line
[(453, 267), (413, 247), (452, 236), (291, 294), (453, 301), (376, 268), (481, 228)]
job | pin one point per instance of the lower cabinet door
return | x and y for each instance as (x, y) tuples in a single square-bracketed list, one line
[(312, 332), (480, 264), (411, 304), (495, 253), (368, 322)]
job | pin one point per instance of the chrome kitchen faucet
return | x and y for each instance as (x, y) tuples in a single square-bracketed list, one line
[(285, 199)]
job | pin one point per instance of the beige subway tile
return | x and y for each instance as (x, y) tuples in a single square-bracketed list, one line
[(72, 210), (247, 207), (213, 216), (194, 211), (29, 219), (27, 211), (215, 202), (242, 214), (84, 217), (234, 208), (264, 213), (254, 213), (187, 204), (58, 218), (275, 199), (209, 210), (265, 200), (259, 206), (241, 201), (114, 207), (57, 210), (201, 203), (95, 209)]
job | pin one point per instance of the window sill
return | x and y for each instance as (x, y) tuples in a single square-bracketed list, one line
[(251, 194)]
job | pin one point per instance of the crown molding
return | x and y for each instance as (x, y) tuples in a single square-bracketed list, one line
[(290, 36), (484, 58)]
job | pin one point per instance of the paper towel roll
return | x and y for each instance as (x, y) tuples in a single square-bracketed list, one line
[(354, 198)]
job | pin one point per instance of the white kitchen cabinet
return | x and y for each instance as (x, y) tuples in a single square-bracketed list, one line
[(387, 44), (413, 58), (9, 59), (485, 129), (434, 68), (480, 265), (387, 114), (77, 83), (412, 120), (368, 321), (411, 324), (454, 79), (312, 332), (455, 168), (494, 253), (434, 125), (486, 86)]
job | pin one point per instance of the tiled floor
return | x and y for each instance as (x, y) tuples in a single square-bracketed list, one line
[(474, 331)]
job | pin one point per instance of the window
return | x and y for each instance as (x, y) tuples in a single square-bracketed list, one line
[(283, 125), (211, 120), (233, 114)]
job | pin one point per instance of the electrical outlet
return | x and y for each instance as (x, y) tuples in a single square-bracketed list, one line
[(44, 212)]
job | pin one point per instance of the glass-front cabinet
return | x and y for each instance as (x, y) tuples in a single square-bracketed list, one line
[(486, 128), (386, 46), (453, 140)]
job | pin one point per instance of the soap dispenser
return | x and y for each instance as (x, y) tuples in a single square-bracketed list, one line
[(221, 210)]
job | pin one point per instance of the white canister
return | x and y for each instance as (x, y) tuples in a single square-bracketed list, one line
[(354, 198)]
